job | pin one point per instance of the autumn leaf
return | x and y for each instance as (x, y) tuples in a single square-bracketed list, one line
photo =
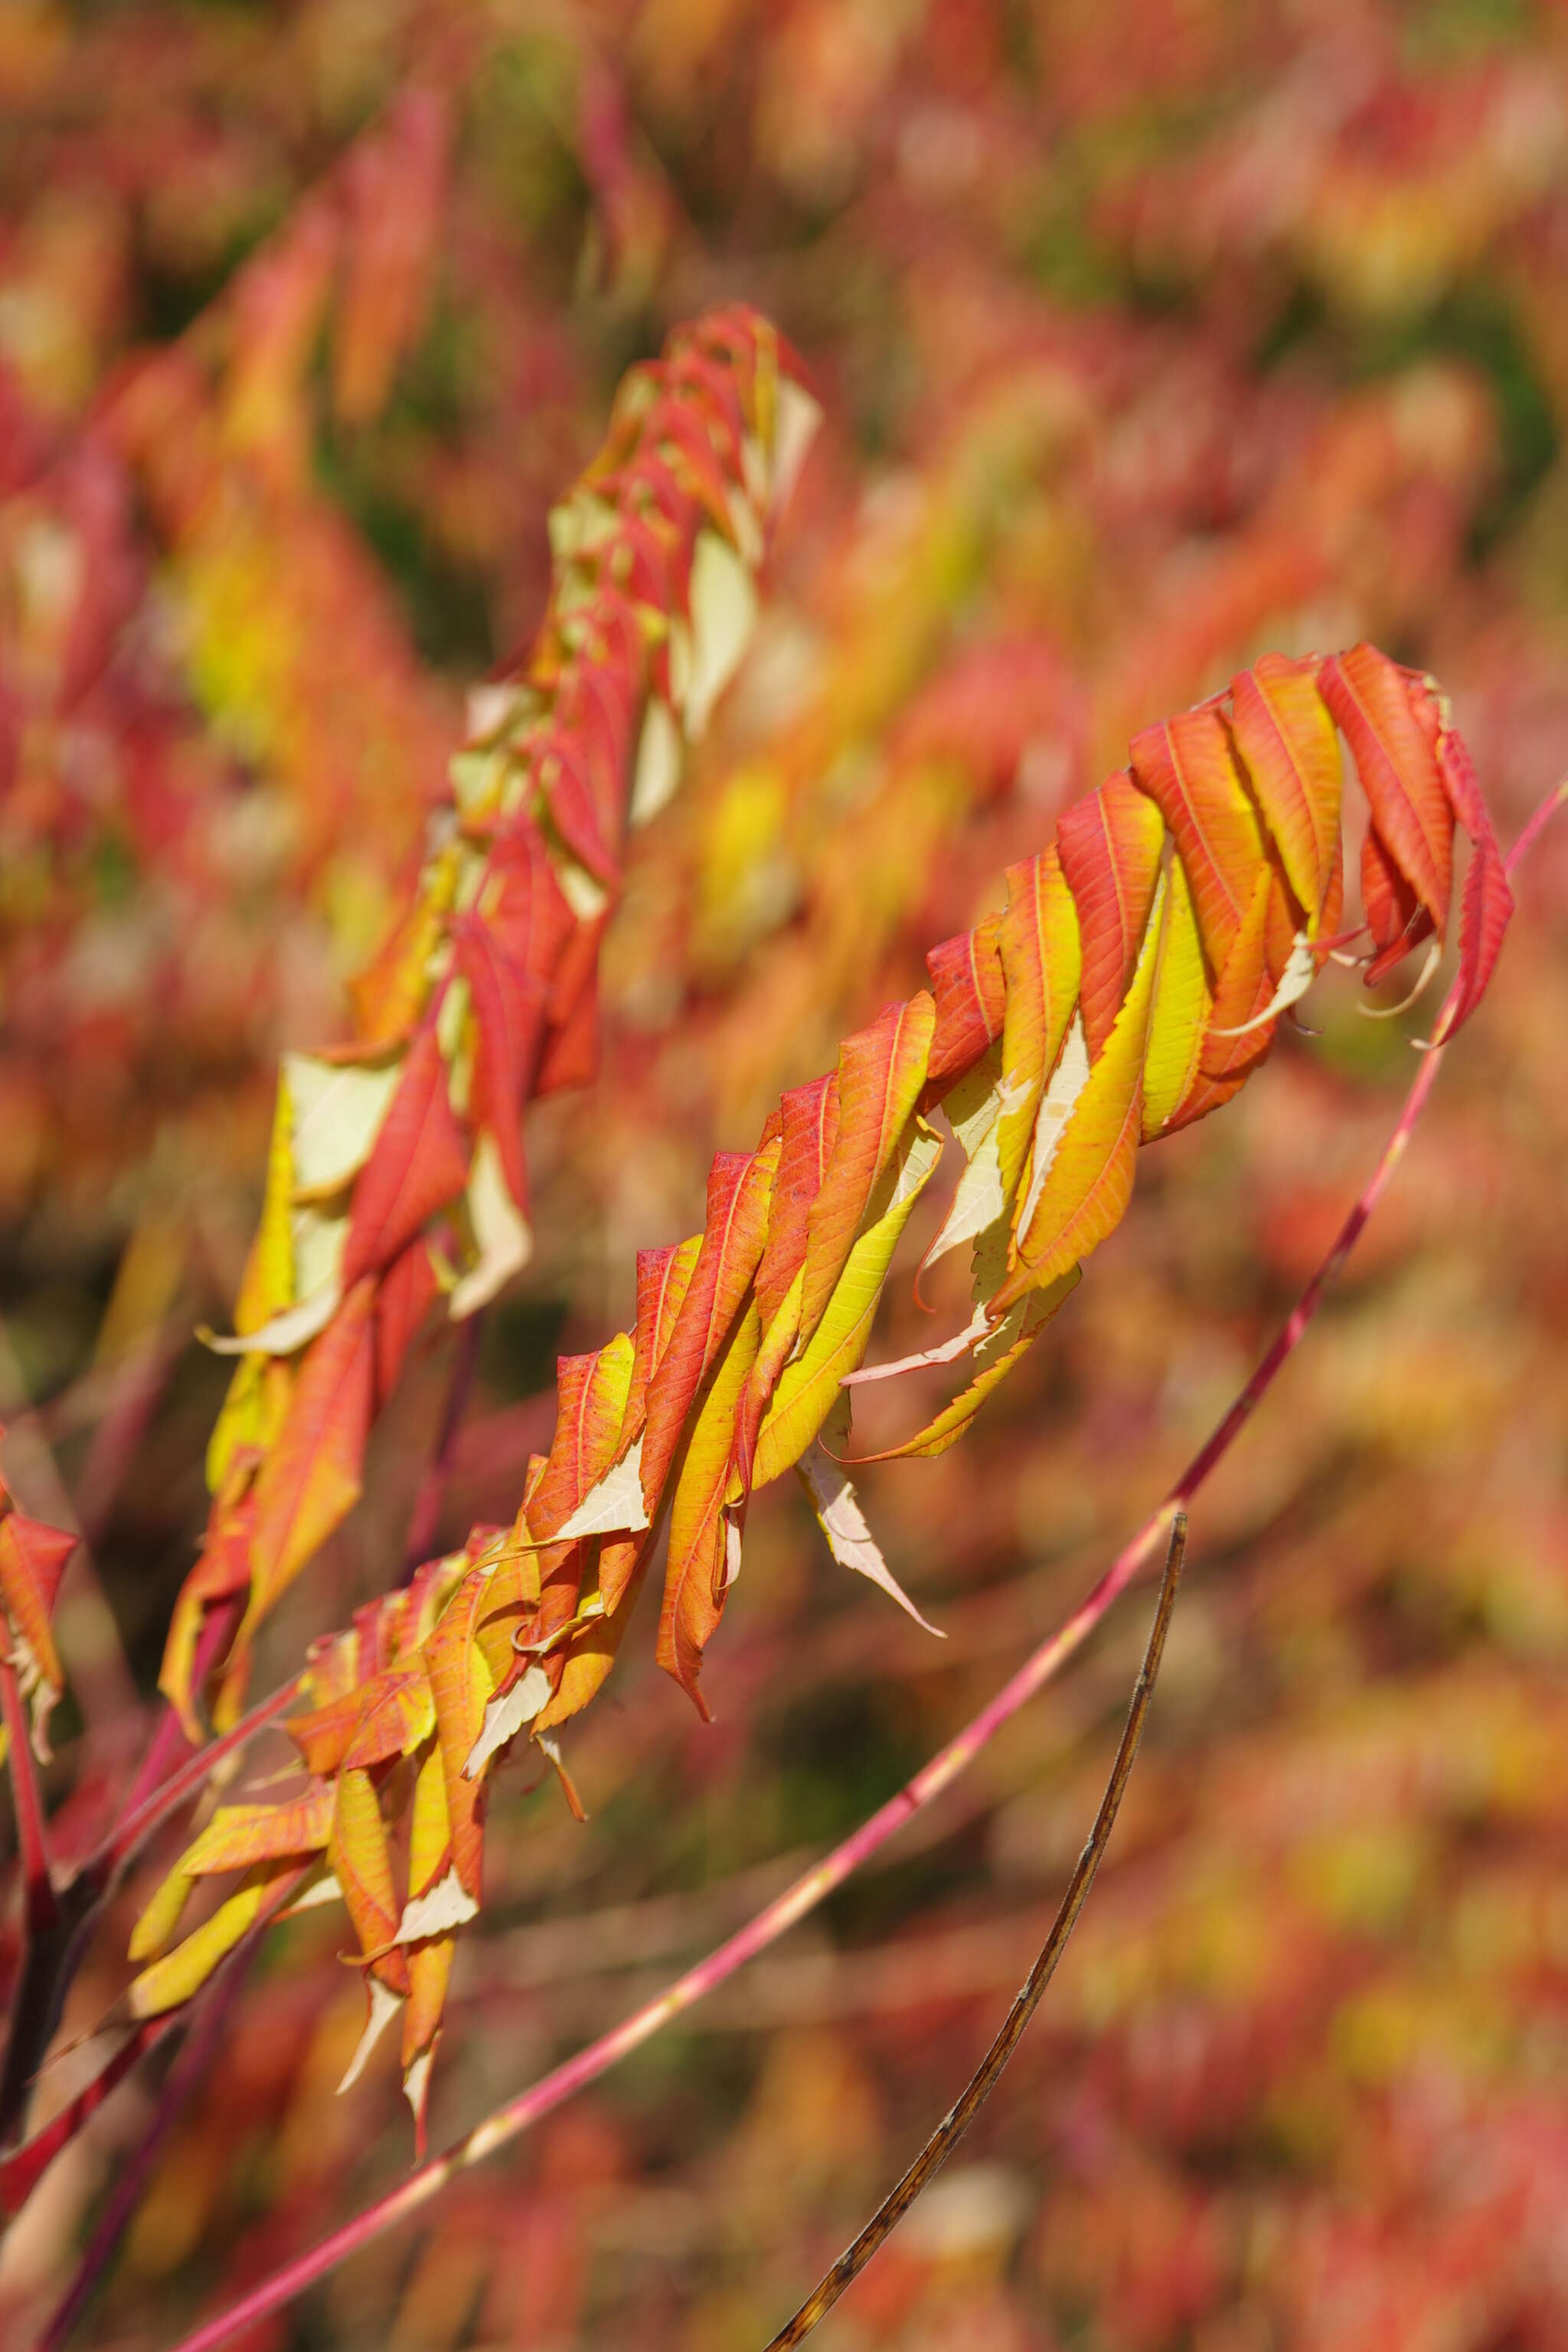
[(418, 1163), (1110, 847), (33, 1558)]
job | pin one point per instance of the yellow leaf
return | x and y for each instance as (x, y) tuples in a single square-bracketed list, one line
[(808, 1387), (1089, 1180), (1179, 1019)]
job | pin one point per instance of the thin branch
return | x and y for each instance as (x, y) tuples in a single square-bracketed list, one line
[(978, 2089)]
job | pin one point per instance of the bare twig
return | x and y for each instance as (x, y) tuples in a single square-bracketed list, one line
[(980, 2084)]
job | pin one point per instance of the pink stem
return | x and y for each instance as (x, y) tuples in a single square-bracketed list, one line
[(516, 2116)]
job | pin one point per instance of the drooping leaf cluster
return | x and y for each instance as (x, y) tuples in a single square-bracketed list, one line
[(485, 994), (1134, 981)]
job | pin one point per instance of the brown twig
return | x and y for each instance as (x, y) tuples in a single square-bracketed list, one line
[(980, 2084)]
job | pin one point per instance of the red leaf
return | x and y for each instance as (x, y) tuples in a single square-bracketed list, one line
[(1373, 706), (402, 1302), (1487, 904), (509, 1012), (417, 1163), (971, 995), (809, 1129)]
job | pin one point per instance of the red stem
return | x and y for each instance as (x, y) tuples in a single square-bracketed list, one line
[(43, 1910)]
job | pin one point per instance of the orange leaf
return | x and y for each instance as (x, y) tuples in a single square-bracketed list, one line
[(1487, 904), (402, 1299), (460, 1685), (695, 1581), (1188, 768), (739, 1186), (360, 1861), (396, 1712), (1241, 993), (881, 1072), (32, 1560), (971, 995), (1287, 740), (1110, 844), (238, 1835)]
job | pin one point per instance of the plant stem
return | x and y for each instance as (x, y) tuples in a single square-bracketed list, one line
[(42, 1908), (978, 2089)]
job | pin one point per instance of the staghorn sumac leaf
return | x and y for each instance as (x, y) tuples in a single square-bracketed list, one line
[(509, 1015), (171, 1980), (696, 1580), (1042, 963), (396, 1712), (460, 1685), (881, 1072), (238, 1835), (739, 1188), (1395, 917), (849, 1539), (417, 1163), (1110, 844), (1181, 1012), (1373, 706), (1187, 766), (1286, 737), (1089, 1181), (1486, 903), (809, 1386), (406, 1293), (360, 1858), (970, 991), (809, 1128), (996, 1352)]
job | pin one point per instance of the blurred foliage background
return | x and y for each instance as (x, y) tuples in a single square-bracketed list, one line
[(1149, 336)]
